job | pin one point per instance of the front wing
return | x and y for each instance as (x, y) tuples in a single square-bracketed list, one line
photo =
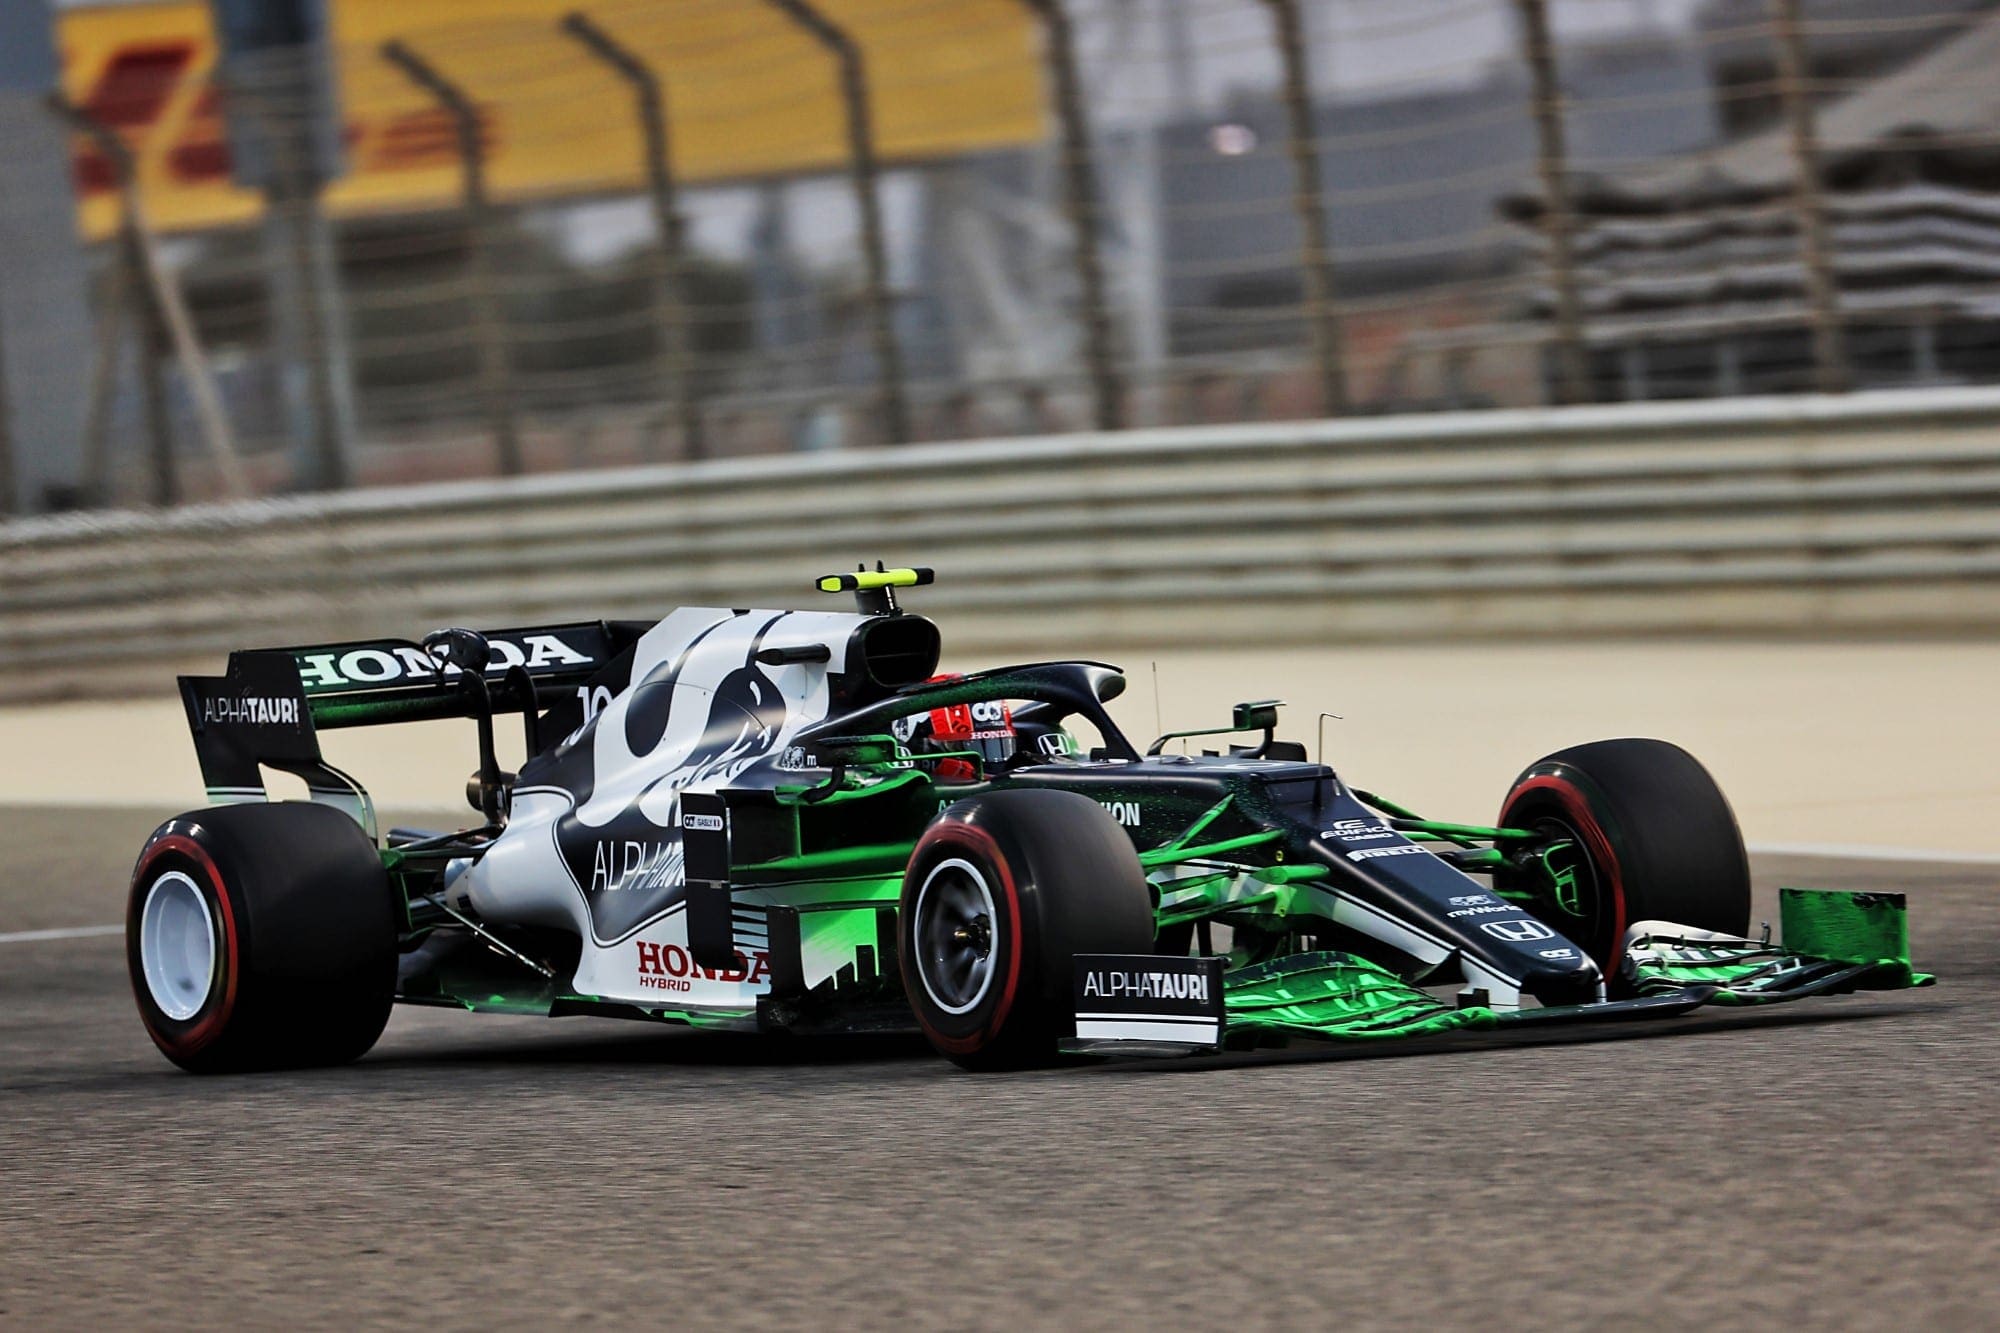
[(1835, 943)]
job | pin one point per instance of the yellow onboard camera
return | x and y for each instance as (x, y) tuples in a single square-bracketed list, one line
[(875, 590)]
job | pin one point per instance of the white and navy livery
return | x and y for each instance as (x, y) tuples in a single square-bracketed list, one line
[(786, 820)]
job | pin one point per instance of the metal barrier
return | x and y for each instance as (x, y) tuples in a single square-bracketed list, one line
[(1872, 514)]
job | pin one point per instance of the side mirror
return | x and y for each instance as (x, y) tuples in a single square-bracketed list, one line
[(1258, 715), (465, 649), (840, 753), (1261, 715)]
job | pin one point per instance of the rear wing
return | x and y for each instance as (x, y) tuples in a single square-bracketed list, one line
[(269, 706), (373, 681)]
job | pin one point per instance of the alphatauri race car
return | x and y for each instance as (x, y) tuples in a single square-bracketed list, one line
[(787, 821)]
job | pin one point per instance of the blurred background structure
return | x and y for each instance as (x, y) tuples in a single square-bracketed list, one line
[(313, 244)]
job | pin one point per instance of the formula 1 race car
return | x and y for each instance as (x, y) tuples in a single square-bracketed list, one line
[(787, 821)]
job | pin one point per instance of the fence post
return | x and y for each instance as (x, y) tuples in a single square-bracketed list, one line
[(151, 333), (862, 162), (109, 352), (330, 447), (1080, 197), (1830, 365), (670, 282), (495, 376), (1558, 213), (304, 314), (1316, 250), (9, 488)]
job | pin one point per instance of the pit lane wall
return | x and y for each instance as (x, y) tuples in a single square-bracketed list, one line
[(1874, 516)]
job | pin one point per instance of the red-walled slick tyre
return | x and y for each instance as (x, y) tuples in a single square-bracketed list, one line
[(261, 937), (1002, 892), (1650, 838)]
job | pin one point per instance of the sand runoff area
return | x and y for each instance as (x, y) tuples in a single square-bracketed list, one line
[(1818, 745)]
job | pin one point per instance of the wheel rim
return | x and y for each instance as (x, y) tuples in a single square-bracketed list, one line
[(1573, 893), (954, 935), (177, 946)]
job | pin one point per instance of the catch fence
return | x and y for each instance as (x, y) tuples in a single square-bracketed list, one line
[(561, 238)]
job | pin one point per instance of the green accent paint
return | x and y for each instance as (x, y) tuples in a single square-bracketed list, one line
[(1179, 888), (1173, 855), (1211, 907), (1338, 997), (1260, 892), (1238, 890), (828, 940), (535, 1003), (1193, 831), (1407, 824), (1834, 942), (1743, 972), (365, 710), (903, 778), (837, 858), (1291, 874), (1562, 879), (1389, 808), (1871, 928), (331, 713), (838, 893)]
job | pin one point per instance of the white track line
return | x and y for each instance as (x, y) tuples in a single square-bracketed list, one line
[(1863, 852), (73, 933)]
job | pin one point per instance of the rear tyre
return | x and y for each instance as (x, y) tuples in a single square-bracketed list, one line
[(261, 937), (1002, 892), (1651, 838)]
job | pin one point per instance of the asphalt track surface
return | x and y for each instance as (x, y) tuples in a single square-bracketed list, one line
[(1831, 1165)]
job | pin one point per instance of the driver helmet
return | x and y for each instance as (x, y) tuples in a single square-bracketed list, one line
[(986, 728)]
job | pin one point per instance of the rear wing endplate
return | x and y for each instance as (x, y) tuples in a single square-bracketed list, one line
[(257, 714)]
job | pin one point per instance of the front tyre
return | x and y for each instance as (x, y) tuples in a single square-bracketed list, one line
[(1637, 831), (261, 937), (1002, 892)]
